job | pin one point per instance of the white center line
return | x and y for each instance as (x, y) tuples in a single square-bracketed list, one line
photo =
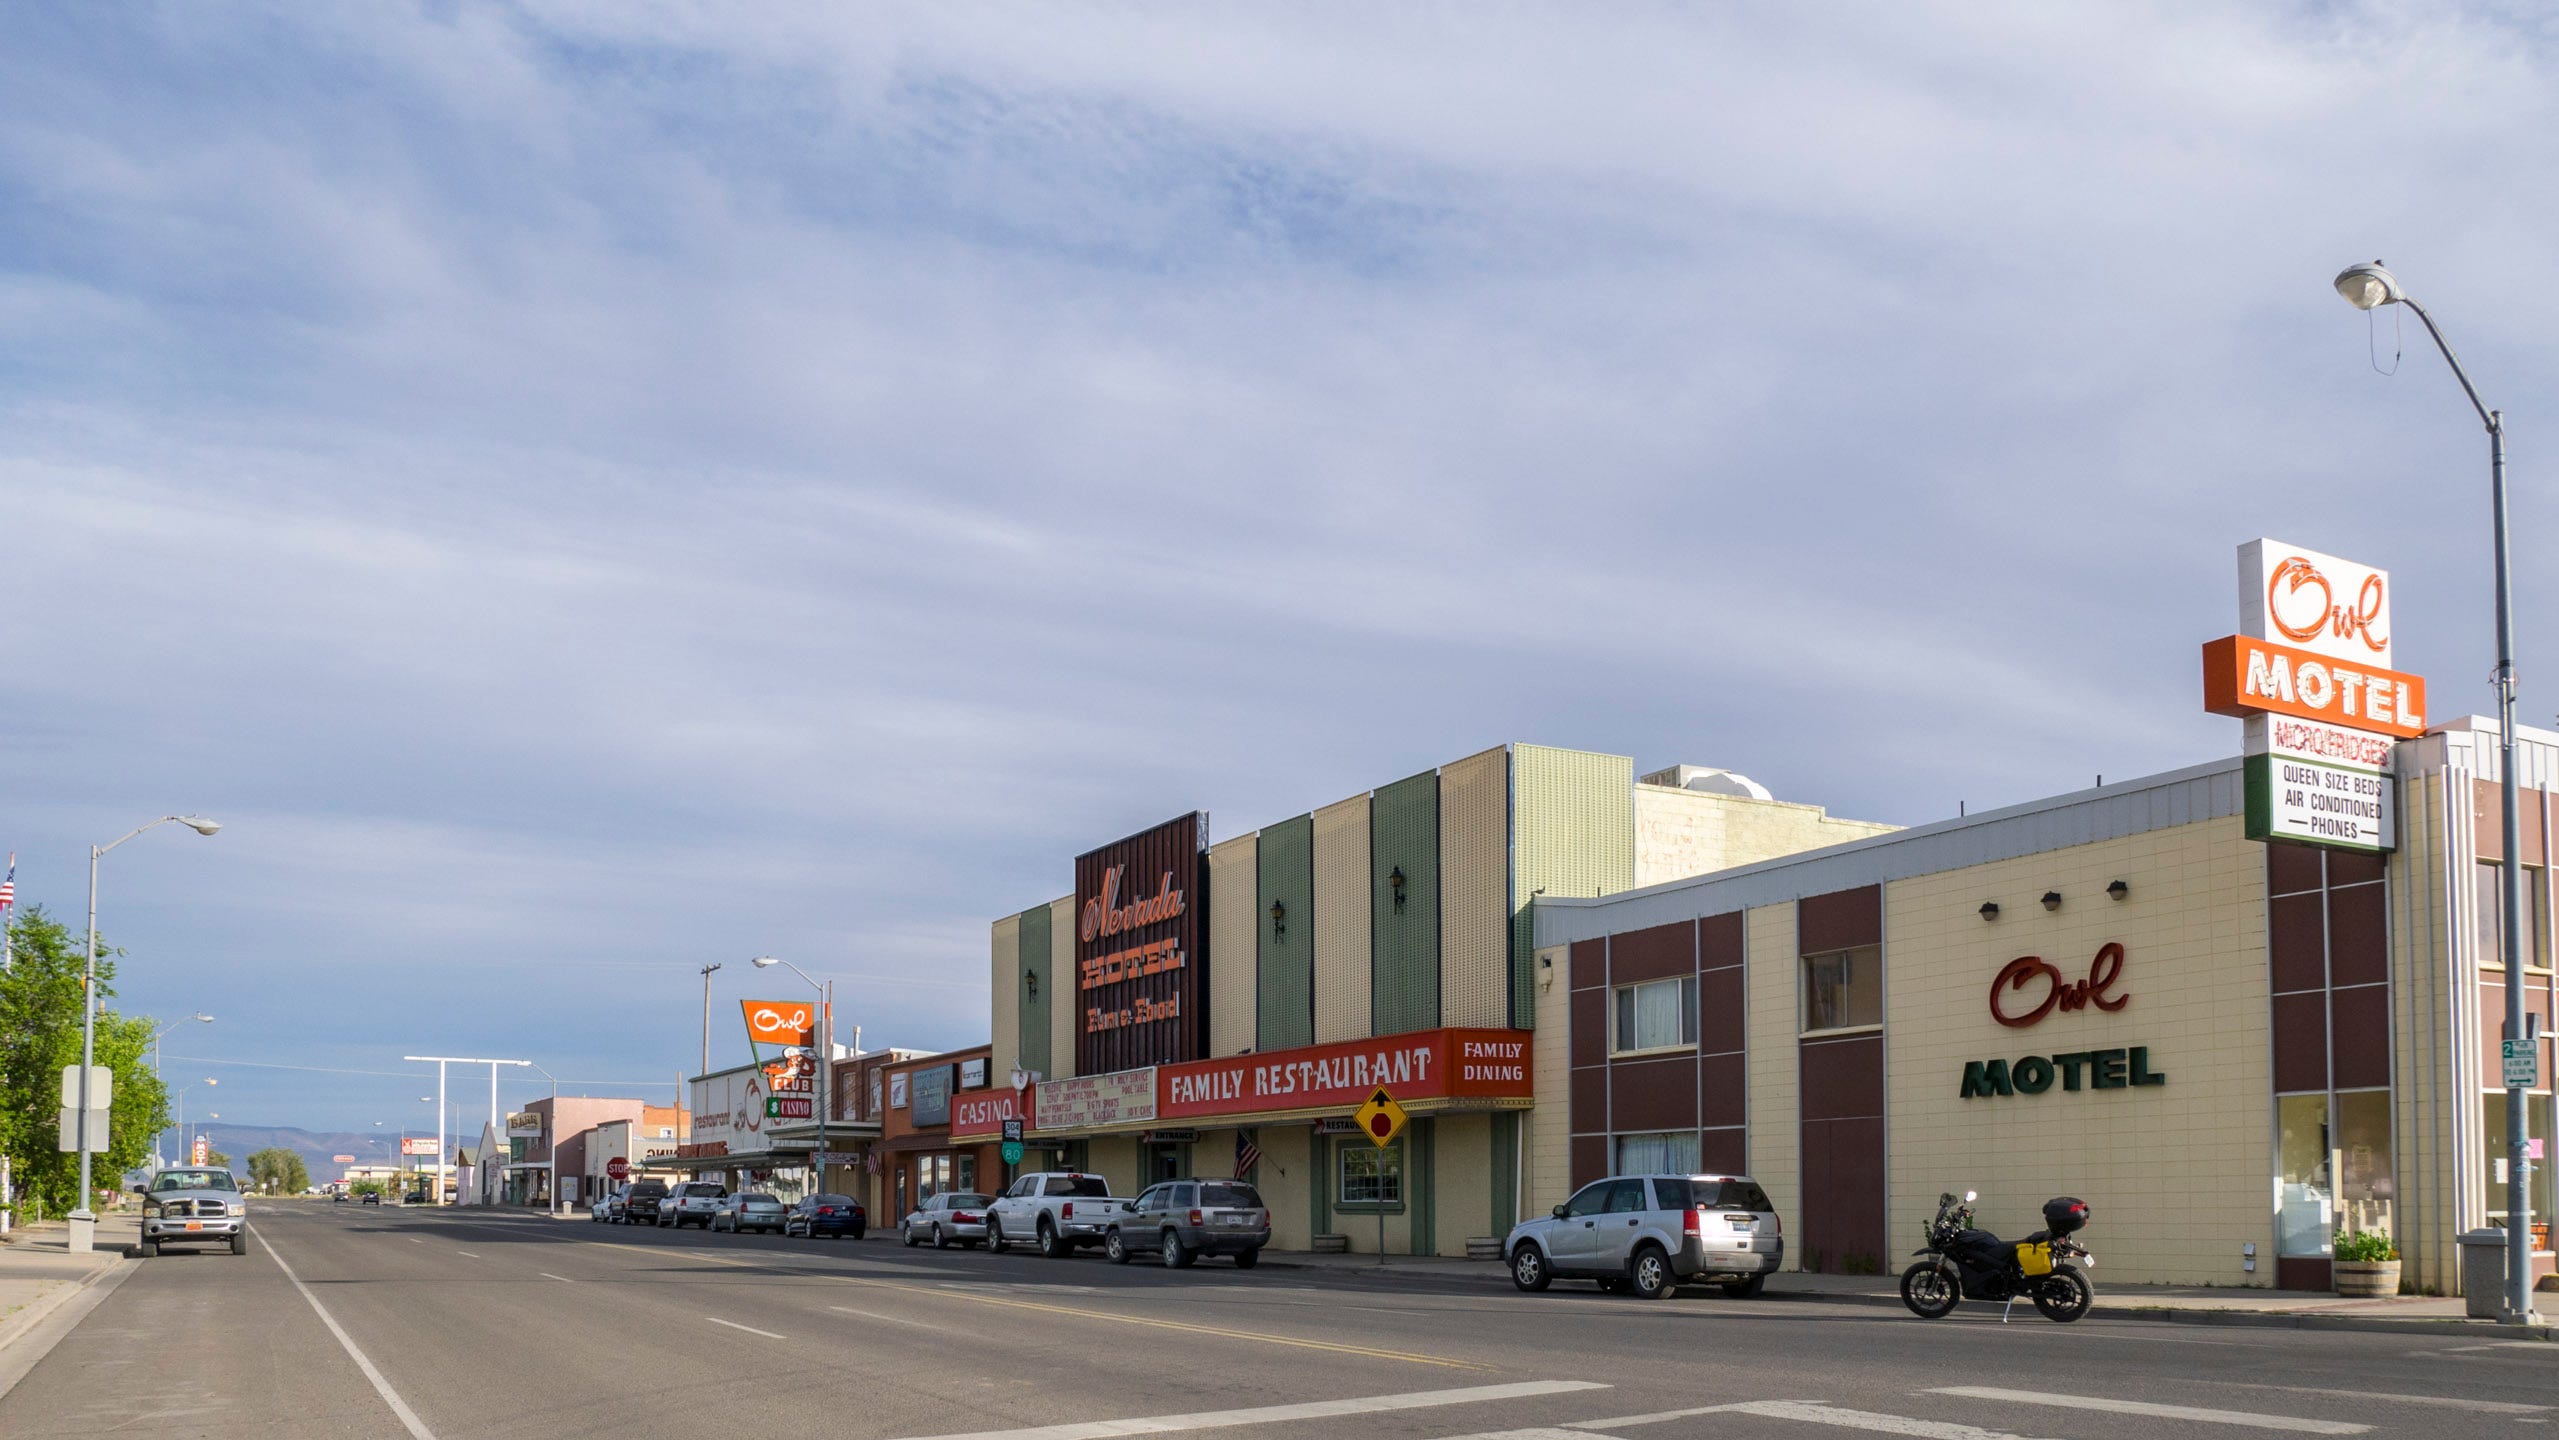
[(2163, 1412), (399, 1407), (891, 1319), (1812, 1412), (547, 1275), (465, 1254), (749, 1329), (1273, 1414)]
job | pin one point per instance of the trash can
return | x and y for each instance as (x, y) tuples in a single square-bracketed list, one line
[(2483, 1273)]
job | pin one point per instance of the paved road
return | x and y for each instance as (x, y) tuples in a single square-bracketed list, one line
[(460, 1325)]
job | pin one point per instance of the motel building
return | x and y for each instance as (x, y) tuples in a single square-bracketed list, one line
[(2238, 1008)]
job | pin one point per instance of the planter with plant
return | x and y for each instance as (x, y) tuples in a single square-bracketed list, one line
[(2366, 1265)]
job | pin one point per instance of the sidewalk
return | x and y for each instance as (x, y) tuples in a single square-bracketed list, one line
[(38, 1272), (2188, 1304)]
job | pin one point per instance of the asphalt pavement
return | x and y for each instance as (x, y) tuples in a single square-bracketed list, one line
[(454, 1324)]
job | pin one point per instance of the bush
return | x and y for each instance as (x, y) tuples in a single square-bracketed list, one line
[(2365, 1246)]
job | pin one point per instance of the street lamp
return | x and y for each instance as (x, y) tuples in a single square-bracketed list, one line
[(198, 1017), (2367, 287), (84, 1221), (825, 1072), (182, 1114)]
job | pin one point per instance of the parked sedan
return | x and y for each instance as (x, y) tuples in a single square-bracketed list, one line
[(600, 1209), (952, 1215), (815, 1215), (1182, 1220), (747, 1210)]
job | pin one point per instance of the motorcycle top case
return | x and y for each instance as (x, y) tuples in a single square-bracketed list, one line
[(2065, 1215)]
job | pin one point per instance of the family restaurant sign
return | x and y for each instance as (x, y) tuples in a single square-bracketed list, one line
[(1430, 1064)]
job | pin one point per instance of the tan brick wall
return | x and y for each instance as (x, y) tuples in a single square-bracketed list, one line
[(1064, 1013), (1342, 939), (1776, 1129), (2424, 1137), (1474, 845), (1284, 1183), (1234, 887), (1679, 833), (2178, 1175), (1546, 1132), (1462, 1181), (1005, 1015)]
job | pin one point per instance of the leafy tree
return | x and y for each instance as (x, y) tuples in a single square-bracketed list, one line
[(363, 1188), (278, 1171), (40, 1007)]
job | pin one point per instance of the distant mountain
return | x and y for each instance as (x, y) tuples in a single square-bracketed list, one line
[(316, 1147)]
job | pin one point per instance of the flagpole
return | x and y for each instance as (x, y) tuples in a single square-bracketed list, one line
[(8, 917)]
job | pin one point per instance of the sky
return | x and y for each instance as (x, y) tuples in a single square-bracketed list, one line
[(583, 491)]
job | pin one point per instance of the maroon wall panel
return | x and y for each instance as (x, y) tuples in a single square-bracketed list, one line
[(1140, 908), (1841, 920), (2358, 936), (1720, 1092), (1653, 1094), (1843, 1194), (1842, 1079), (2346, 867), (1590, 1027), (1590, 1098), (1590, 963), (1654, 954), (1590, 1159), (2301, 1041), (2360, 1023), (2292, 1274), (2294, 943), (1720, 941), (1719, 1010), (2291, 868), (1724, 1152)]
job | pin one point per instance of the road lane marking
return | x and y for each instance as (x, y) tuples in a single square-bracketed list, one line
[(547, 1275), (2486, 1407), (399, 1407), (891, 1319), (2162, 1412), (1275, 1414), (749, 1329), (1814, 1412)]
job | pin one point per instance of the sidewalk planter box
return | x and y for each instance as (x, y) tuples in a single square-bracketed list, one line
[(1330, 1244), (2366, 1279)]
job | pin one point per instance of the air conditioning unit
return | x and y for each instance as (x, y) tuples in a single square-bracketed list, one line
[(1707, 780)]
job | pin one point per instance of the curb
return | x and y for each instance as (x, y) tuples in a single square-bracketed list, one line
[(2446, 1328), (20, 1325)]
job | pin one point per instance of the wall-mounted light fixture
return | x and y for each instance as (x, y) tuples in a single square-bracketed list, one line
[(1031, 983), (1990, 909), (1395, 882), (2052, 899), (1279, 921), (2118, 889)]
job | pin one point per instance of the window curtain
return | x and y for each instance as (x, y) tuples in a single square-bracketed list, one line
[(1671, 1152)]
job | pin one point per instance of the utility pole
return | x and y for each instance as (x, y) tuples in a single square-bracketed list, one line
[(440, 1061), (706, 1020)]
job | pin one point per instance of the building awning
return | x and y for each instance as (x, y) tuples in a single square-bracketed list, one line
[(1454, 1070)]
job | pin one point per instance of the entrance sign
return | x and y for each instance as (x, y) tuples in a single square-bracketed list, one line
[(1381, 1119), (2522, 1062)]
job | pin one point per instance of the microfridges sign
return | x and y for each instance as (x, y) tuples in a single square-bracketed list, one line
[(2310, 674)]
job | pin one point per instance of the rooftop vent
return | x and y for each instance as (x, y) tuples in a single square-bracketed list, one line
[(1709, 780)]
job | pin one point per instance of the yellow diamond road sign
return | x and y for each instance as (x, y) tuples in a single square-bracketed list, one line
[(1381, 1119)]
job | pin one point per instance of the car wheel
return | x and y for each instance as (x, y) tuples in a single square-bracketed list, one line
[(940, 1240), (858, 1231), (1177, 1256), (1528, 1269), (240, 1246), (995, 1240), (1115, 1248), (906, 1236), (150, 1249), (1746, 1289), (1651, 1277), (1247, 1259), (1052, 1244)]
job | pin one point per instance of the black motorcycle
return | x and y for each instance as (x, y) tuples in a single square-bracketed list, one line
[(1962, 1263)]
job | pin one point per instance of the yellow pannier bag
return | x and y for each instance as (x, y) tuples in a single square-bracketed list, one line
[(2035, 1259)]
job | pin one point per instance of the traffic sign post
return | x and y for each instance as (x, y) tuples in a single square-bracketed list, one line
[(1381, 1120), (617, 1168), (2523, 1064)]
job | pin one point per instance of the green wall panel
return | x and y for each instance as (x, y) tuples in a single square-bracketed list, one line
[(1036, 1023), (1403, 832), (1284, 991), (1572, 833), (1423, 1204), (1505, 1172)]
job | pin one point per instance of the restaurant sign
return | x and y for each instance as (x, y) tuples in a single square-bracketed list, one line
[(1426, 1065), (1088, 1101), (985, 1113)]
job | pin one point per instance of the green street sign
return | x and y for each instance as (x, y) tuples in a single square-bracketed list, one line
[(1012, 1152), (2523, 1064)]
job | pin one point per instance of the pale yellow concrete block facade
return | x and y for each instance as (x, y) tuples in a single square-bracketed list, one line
[(2193, 928), (1234, 887), (1286, 1184), (1680, 833), (1006, 1017), (1769, 1030), (1474, 843), (2426, 1118), (1546, 1132), (1061, 965), (1461, 1180), (1342, 939)]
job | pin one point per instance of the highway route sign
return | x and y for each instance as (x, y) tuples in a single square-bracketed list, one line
[(1381, 1119), (1012, 1152), (1013, 1132), (2523, 1064)]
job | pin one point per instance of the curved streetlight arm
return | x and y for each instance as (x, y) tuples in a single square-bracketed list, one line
[(2495, 420)]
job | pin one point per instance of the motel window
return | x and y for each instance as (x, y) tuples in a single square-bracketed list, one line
[(2335, 1171), (2537, 1186), (2488, 903), (1668, 1152), (1369, 1177), (1844, 991), (1657, 1015)]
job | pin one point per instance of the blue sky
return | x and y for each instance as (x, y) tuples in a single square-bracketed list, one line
[(587, 490)]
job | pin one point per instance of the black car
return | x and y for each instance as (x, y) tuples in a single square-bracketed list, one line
[(815, 1215), (372, 1197), (640, 1201)]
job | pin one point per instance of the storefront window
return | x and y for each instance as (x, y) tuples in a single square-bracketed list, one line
[(2536, 1127), (1658, 1015), (1668, 1152), (1369, 1176), (1844, 991), (2488, 903), (964, 1173), (2366, 1187), (2304, 1207)]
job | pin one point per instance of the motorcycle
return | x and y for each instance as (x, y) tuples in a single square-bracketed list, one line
[(1962, 1263)]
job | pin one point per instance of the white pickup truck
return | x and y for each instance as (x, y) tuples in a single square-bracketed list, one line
[(1058, 1210)]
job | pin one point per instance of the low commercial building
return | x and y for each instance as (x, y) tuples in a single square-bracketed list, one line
[(921, 1153)]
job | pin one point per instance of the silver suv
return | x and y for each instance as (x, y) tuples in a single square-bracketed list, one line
[(1648, 1234), (1182, 1220), (695, 1202), (193, 1207)]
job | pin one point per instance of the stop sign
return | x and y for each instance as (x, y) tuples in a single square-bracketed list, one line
[(617, 1167)]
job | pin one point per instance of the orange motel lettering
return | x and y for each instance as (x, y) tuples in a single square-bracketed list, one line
[(2246, 676)]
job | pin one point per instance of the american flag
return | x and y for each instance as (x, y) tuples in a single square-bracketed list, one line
[(9, 887), (1247, 1153)]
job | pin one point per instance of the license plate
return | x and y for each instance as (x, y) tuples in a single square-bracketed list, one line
[(1234, 1219), (1743, 1226), (195, 1224)]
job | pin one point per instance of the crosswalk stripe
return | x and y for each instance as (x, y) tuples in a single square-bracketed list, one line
[(2293, 1423), (1811, 1412), (1273, 1414)]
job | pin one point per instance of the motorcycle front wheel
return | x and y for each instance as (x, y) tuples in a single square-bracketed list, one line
[(2064, 1295), (1929, 1291)]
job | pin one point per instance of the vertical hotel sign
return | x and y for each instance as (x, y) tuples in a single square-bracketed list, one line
[(2310, 673), (1141, 911)]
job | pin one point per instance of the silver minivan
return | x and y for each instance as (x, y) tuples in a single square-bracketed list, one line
[(1649, 1234)]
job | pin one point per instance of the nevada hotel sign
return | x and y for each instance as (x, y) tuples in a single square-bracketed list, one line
[(2310, 673)]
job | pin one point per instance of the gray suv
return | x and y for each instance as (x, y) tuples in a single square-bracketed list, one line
[(1181, 1220), (193, 1207), (1648, 1234)]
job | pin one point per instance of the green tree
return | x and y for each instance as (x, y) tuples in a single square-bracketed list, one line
[(39, 1034), (363, 1188), (278, 1171)]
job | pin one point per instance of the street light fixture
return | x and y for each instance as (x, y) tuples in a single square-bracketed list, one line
[(2367, 287), (84, 1221), (825, 1058)]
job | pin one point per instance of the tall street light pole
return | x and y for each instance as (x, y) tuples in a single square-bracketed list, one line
[(2367, 287), (182, 1114), (495, 1127), (199, 1017), (84, 1221), (707, 971), (825, 1056)]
